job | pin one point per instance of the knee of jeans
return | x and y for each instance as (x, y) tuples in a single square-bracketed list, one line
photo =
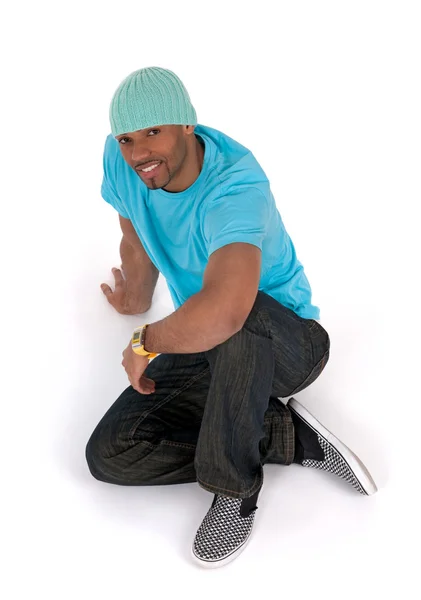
[(94, 457), (99, 455), (112, 458)]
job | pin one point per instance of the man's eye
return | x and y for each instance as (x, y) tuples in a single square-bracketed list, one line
[(126, 138)]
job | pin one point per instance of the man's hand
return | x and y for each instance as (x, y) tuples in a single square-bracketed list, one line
[(124, 302), (135, 364)]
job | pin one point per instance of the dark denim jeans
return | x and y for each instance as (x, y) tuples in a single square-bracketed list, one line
[(214, 417)]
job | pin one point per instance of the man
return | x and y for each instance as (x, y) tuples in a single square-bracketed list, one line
[(206, 381)]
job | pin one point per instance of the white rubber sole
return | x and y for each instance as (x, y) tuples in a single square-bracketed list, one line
[(359, 470), (214, 564)]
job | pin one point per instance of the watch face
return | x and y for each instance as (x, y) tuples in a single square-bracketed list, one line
[(136, 337)]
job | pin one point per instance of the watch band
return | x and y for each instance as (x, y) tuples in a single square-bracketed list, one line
[(138, 342)]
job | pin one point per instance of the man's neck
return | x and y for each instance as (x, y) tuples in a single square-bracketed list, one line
[(198, 157)]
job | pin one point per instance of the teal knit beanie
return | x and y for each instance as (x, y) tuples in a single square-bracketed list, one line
[(148, 97)]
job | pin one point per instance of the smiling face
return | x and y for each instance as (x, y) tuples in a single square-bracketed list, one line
[(167, 145)]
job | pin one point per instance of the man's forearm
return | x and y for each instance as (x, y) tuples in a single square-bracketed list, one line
[(141, 277), (196, 326)]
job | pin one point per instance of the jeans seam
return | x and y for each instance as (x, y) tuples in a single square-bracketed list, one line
[(144, 442), (235, 419), (178, 444), (264, 319)]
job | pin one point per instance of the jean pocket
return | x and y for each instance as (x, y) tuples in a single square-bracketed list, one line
[(313, 375)]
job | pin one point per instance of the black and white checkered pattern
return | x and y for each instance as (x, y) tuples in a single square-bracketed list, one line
[(334, 463), (223, 531)]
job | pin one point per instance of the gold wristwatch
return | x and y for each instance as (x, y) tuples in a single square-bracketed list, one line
[(138, 342)]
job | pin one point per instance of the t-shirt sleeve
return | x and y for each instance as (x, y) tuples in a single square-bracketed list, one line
[(108, 190), (239, 216)]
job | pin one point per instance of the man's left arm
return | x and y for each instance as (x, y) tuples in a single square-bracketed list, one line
[(219, 310)]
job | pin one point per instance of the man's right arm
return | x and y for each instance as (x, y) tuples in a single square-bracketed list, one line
[(140, 273)]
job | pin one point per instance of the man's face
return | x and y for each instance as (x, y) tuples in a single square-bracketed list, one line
[(166, 144)]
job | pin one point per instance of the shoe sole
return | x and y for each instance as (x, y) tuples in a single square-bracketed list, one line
[(355, 465), (214, 564)]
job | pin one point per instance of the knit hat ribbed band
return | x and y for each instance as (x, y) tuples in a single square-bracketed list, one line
[(148, 97)]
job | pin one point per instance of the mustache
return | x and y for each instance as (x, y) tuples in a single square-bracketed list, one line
[(148, 162)]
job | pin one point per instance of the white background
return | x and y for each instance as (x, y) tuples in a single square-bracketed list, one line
[(327, 97)]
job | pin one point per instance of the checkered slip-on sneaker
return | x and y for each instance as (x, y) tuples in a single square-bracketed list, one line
[(338, 458), (224, 531)]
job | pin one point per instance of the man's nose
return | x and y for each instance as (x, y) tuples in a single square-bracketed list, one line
[(140, 152)]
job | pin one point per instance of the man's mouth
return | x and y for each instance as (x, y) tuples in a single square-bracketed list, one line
[(150, 169)]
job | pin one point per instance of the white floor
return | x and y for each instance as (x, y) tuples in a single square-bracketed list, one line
[(326, 96), (314, 534)]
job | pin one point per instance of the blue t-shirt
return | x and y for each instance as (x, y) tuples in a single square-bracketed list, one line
[(230, 201)]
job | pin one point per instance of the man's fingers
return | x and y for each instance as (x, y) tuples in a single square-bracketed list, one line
[(119, 279), (106, 289), (140, 386)]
